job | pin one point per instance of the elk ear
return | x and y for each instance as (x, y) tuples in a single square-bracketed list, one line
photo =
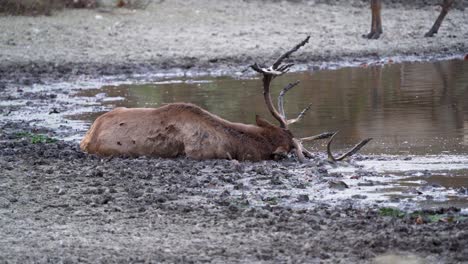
[(262, 122)]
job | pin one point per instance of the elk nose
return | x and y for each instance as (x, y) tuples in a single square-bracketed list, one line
[(279, 153), (279, 156)]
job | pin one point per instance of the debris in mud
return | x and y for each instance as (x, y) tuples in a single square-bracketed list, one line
[(339, 185), (462, 190), (54, 111), (359, 196), (303, 198), (419, 220)]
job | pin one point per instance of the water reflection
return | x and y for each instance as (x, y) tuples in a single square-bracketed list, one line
[(416, 108)]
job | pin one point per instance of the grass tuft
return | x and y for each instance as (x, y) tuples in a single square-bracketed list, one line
[(36, 138)]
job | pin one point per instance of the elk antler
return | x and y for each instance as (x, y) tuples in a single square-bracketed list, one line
[(281, 104), (282, 93), (347, 154), (278, 69), (330, 135)]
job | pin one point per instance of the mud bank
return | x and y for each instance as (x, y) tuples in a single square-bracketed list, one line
[(213, 35), (58, 204)]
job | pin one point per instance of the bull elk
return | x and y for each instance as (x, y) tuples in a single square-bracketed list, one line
[(376, 25), (181, 129)]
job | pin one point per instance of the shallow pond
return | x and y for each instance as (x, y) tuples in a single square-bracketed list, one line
[(417, 114)]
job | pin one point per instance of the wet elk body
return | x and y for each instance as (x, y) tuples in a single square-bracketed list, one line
[(183, 129)]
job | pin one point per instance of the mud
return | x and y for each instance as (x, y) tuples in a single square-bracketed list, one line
[(58, 204)]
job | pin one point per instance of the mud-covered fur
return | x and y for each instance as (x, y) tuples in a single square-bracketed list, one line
[(183, 129)]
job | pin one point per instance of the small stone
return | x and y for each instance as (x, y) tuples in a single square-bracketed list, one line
[(105, 198), (54, 111), (462, 190), (98, 173), (233, 208), (240, 186), (4, 203), (275, 180), (11, 42), (303, 198), (339, 185), (367, 183), (359, 196)]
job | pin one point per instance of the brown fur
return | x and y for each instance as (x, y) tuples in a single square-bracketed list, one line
[(183, 129)]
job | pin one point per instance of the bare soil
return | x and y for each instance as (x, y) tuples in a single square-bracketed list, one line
[(213, 35)]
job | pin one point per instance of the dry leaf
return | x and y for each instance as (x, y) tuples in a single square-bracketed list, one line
[(419, 220)]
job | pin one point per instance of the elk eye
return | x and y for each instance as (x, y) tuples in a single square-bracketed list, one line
[(277, 157), (282, 151)]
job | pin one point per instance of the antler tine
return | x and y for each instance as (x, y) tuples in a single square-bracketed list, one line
[(285, 68), (319, 136), (306, 152), (347, 154), (266, 95), (299, 150), (257, 68), (289, 87), (300, 116), (270, 73), (281, 104), (288, 53), (281, 97)]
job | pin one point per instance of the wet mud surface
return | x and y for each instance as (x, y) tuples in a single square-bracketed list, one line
[(58, 204)]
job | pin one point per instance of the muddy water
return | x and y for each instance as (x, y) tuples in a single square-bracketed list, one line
[(417, 114), (410, 108)]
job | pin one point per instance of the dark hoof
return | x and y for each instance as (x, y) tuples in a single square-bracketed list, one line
[(372, 35), (429, 34)]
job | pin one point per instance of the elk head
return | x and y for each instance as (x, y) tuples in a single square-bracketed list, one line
[(286, 141)]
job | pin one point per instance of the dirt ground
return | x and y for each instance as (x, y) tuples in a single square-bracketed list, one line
[(59, 205), (215, 36)]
